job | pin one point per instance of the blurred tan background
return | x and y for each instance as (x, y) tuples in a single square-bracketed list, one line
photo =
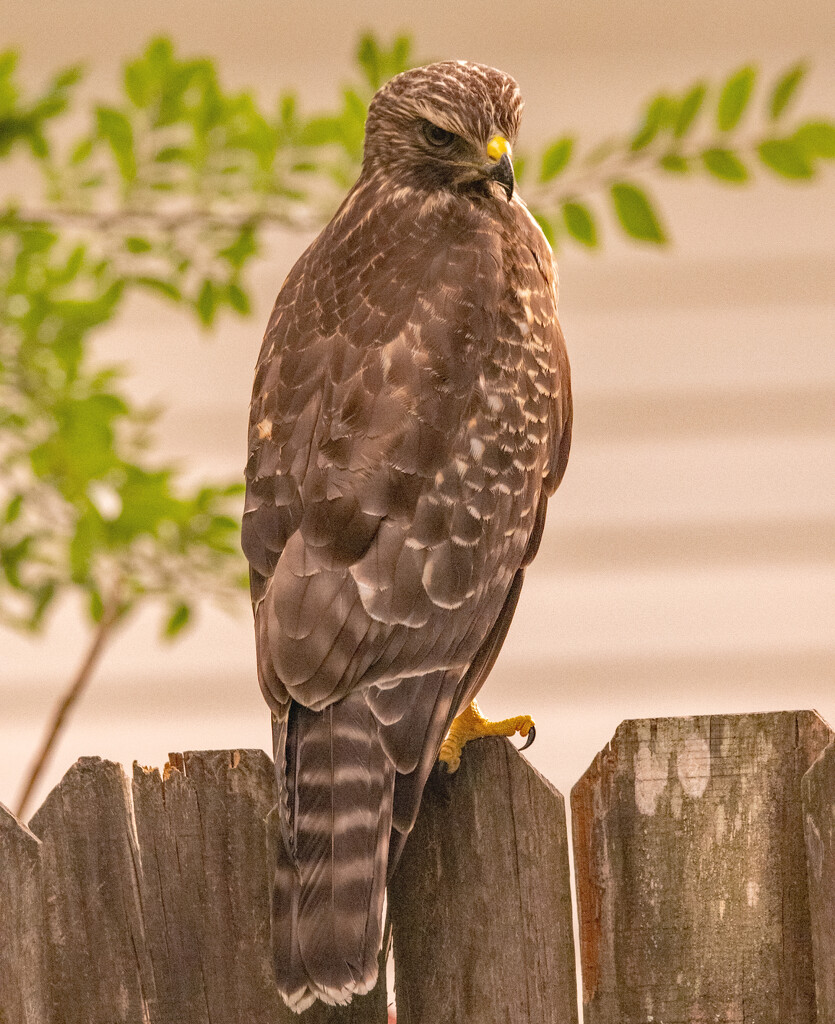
[(689, 559)]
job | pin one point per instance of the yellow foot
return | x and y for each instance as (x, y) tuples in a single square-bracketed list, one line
[(471, 724)]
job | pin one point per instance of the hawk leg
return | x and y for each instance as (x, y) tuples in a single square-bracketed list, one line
[(471, 725)]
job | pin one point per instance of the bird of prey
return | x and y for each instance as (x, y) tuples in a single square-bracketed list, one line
[(410, 417)]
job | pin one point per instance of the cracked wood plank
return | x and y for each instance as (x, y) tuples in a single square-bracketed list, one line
[(96, 960), (481, 904), (819, 820), (22, 995), (691, 871), (201, 832)]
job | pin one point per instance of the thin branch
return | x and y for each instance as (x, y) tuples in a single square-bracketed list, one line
[(587, 178), (101, 220), (71, 695)]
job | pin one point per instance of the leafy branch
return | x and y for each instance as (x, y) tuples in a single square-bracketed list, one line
[(25, 122), (696, 132)]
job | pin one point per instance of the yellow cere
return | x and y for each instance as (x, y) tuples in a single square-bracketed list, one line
[(497, 147)]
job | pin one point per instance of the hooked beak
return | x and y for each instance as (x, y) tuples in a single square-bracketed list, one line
[(500, 168)]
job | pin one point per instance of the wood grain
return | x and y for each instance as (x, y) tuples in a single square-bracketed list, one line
[(819, 821), (691, 871), (96, 957), (480, 903), (201, 833), (22, 995)]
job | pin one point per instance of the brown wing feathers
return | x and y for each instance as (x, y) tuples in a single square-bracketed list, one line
[(407, 414)]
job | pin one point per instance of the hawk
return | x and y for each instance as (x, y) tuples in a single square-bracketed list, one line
[(411, 415)]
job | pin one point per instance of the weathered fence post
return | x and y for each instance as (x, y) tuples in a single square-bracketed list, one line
[(201, 835), (819, 820), (205, 891), (22, 996), (481, 904), (691, 871), (95, 956), (155, 898)]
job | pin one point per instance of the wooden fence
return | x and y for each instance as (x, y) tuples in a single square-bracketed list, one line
[(705, 865)]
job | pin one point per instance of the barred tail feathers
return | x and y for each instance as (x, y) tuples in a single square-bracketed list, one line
[(329, 883)]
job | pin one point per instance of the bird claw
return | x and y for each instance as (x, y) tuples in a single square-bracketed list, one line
[(529, 738), (471, 724)]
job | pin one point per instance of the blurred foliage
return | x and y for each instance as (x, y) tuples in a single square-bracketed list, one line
[(82, 502), (721, 131), (170, 187)]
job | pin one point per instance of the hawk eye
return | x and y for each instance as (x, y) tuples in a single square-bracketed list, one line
[(436, 135)]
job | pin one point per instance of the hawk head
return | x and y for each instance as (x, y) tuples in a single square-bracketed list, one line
[(444, 126)]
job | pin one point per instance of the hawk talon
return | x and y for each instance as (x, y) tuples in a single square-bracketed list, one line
[(471, 725), (530, 738)]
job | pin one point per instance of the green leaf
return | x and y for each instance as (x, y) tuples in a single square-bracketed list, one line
[(159, 55), (87, 539), (556, 157), (321, 131), (817, 139), (67, 78), (734, 97), (400, 56), (148, 506), (353, 131), (11, 558), (116, 129), (8, 62), (135, 244), (242, 248), (81, 152), (14, 508), (675, 163), (724, 164), (238, 299), (786, 158), (580, 223), (370, 59), (659, 114), (689, 108), (379, 64), (173, 154), (206, 304), (785, 89), (547, 227), (636, 214), (44, 595), (177, 620), (80, 449), (96, 605), (287, 107), (139, 83), (156, 284)]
